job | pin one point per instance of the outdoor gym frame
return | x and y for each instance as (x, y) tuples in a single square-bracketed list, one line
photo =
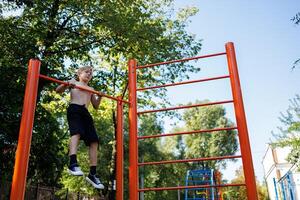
[(134, 165), (26, 127), (25, 134)]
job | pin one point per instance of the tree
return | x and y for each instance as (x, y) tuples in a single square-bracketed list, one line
[(239, 193), (289, 132), (194, 146), (208, 144), (82, 32)]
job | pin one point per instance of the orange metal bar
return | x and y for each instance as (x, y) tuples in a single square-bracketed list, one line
[(183, 83), (180, 60), (82, 88), (25, 133), (187, 132), (133, 144), (241, 123), (189, 160), (191, 187), (183, 107), (120, 152)]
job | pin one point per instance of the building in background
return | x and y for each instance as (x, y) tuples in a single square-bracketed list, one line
[(282, 178)]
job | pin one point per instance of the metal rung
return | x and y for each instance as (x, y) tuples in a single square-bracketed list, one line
[(183, 107), (187, 132), (183, 83), (191, 187), (189, 160), (180, 60)]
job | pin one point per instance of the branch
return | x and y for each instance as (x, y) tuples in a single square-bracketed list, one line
[(72, 49), (69, 30), (296, 18), (125, 90), (296, 63)]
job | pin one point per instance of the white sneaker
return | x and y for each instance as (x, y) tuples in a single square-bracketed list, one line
[(76, 171), (96, 183)]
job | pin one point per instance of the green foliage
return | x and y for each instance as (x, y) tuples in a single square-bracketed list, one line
[(184, 147), (47, 150), (289, 132), (208, 144), (154, 150), (240, 193), (65, 34)]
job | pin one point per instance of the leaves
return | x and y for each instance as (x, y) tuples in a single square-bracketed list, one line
[(296, 18), (185, 147), (65, 34), (209, 144), (240, 193), (289, 132)]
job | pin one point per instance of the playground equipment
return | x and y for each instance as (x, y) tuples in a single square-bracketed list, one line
[(25, 134), (202, 177), (288, 186), (240, 120)]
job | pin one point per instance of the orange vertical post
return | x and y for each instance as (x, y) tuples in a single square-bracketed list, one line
[(133, 145), (25, 133), (120, 152), (241, 123)]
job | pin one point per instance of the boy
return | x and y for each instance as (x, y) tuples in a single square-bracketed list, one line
[(81, 123)]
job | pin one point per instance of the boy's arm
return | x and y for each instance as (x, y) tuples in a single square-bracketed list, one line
[(61, 88), (95, 100)]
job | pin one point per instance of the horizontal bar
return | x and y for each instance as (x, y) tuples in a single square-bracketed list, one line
[(191, 187), (183, 107), (180, 60), (82, 88), (189, 160), (187, 132), (183, 83)]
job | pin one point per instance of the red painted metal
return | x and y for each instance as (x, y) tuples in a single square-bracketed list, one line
[(241, 123), (133, 144), (26, 127), (53, 79), (120, 152), (191, 186), (183, 107), (180, 60), (183, 83), (187, 132), (25, 133), (82, 88), (189, 160)]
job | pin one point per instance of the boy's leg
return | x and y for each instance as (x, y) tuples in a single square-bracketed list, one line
[(74, 141), (91, 178), (74, 168), (93, 153)]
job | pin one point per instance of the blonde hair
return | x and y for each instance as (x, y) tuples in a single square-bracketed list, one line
[(81, 69)]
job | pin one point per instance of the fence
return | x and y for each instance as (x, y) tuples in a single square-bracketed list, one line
[(38, 192)]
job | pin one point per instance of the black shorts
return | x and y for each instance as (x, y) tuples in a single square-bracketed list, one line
[(81, 122)]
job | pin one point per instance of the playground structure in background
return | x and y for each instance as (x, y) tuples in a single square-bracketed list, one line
[(281, 176), (203, 177), (25, 134)]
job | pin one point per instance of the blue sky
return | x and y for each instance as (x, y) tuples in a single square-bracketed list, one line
[(267, 43)]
